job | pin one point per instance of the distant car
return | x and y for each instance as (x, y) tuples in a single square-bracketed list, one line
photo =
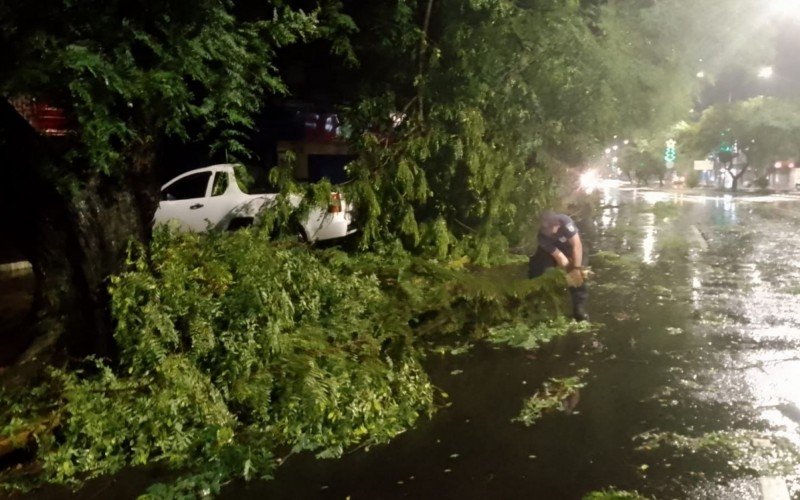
[(210, 199)]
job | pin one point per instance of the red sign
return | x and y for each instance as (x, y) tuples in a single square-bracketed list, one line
[(44, 117)]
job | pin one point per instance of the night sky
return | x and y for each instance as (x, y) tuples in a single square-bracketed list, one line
[(737, 77)]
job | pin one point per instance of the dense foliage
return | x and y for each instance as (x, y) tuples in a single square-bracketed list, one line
[(469, 113), (460, 140), (134, 73), (641, 165), (232, 350)]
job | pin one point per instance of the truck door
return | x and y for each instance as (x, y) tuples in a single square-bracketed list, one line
[(221, 200), (185, 201)]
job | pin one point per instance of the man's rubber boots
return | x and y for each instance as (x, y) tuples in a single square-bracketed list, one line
[(579, 297), (579, 313)]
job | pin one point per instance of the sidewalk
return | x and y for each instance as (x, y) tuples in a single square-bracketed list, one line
[(715, 191), (11, 269), (17, 285)]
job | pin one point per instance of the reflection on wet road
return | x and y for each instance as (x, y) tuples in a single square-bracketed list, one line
[(693, 381)]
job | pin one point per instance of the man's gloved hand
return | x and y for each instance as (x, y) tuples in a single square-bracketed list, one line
[(575, 278)]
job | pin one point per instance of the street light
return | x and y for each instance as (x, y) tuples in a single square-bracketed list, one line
[(766, 72), (785, 8)]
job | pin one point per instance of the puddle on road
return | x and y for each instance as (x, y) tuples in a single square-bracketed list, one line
[(689, 389)]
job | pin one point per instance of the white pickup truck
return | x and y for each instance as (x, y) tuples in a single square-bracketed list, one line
[(210, 199)]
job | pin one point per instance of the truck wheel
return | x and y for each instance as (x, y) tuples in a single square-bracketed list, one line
[(302, 237), (240, 223)]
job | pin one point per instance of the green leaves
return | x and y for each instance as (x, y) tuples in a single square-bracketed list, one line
[(232, 347), (554, 396), (132, 74), (531, 336), (504, 96)]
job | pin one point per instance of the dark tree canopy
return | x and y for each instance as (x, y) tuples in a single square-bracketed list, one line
[(133, 72), (129, 75)]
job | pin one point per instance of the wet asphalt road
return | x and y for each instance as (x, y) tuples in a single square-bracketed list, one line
[(693, 387)]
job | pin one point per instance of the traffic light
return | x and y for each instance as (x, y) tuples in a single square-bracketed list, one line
[(671, 154), (725, 153)]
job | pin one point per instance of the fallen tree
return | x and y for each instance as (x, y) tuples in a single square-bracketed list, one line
[(234, 351)]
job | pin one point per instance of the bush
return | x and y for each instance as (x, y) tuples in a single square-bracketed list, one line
[(761, 183), (693, 179)]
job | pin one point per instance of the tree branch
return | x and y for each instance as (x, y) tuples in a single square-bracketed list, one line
[(423, 45)]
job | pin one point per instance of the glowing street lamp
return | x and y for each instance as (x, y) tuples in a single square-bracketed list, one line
[(785, 8), (766, 72), (701, 74)]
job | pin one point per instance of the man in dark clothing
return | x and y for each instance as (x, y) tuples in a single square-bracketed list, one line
[(560, 245)]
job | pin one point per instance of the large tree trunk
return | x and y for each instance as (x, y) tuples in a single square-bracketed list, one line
[(738, 176), (423, 45), (81, 240), (75, 234), (734, 181)]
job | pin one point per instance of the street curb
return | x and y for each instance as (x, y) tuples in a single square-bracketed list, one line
[(773, 488), (15, 268), (698, 237)]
